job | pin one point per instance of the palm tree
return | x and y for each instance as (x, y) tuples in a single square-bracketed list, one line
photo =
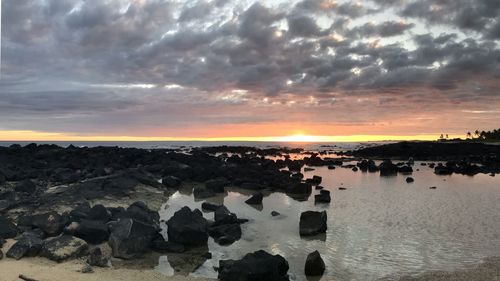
[(469, 135), (476, 133)]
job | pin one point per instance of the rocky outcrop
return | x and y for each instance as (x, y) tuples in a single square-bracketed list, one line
[(188, 227), (259, 265)]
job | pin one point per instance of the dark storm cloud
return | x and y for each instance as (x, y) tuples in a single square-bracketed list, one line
[(284, 50)]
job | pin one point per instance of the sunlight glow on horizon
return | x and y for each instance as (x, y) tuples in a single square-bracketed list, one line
[(294, 138)]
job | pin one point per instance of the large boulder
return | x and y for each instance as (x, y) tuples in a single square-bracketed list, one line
[(225, 234), (131, 238), (258, 266), (315, 266), (28, 245), (64, 248), (188, 227), (387, 168), (7, 228), (92, 231), (312, 223), (97, 258)]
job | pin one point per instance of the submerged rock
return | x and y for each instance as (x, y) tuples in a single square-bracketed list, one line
[(315, 266), (63, 248), (312, 223), (188, 227), (131, 238), (259, 265)]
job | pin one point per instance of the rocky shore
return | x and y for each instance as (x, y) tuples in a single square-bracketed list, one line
[(98, 207)]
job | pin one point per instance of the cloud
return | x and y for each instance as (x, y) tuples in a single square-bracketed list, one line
[(293, 55)]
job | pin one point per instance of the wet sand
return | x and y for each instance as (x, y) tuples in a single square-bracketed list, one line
[(42, 269)]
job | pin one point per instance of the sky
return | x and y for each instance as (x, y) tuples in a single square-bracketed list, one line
[(248, 70)]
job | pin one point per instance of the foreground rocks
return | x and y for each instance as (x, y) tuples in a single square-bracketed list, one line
[(313, 223), (63, 248), (315, 266), (131, 238), (259, 265), (188, 227)]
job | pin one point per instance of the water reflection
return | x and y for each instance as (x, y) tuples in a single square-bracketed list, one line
[(379, 226)]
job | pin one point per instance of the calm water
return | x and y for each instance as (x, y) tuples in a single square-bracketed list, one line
[(378, 227)]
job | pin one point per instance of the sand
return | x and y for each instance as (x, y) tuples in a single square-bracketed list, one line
[(42, 269)]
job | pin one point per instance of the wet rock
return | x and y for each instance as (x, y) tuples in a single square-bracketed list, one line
[(443, 170), (202, 193), (64, 248), (28, 245), (217, 185), (225, 234), (171, 181), (387, 168), (322, 197), (97, 258), (299, 188), (93, 232), (223, 216), (7, 228), (331, 167), (315, 266), (405, 169), (354, 169), (209, 206), (433, 187), (342, 188), (312, 223), (26, 186), (410, 180), (307, 169), (315, 180), (131, 238), (275, 214), (259, 265), (256, 199), (188, 227), (161, 246), (99, 213)]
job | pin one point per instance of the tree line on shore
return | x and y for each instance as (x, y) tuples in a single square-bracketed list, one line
[(493, 135)]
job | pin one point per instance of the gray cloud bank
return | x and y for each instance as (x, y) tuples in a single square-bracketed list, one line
[(97, 63)]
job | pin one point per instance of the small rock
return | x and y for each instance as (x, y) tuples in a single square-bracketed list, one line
[(99, 213), (260, 266), (275, 214), (433, 187), (322, 197), (342, 188), (161, 246), (319, 187), (409, 180), (354, 169), (256, 199), (7, 228), (209, 206), (315, 266), (202, 193), (87, 269), (27, 245), (217, 185)]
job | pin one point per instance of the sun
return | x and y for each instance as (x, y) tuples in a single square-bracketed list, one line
[(299, 138)]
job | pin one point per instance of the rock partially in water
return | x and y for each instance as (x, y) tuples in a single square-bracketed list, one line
[(225, 234), (410, 180), (322, 197), (443, 170), (64, 248), (131, 238), (217, 185), (28, 245), (387, 168), (315, 266), (275, 214), (315, 180), (202, 193), (255, 266), (256, 199), (171, 181), (161, 246), (188, 227), (312, 223), (209, 206), (7, 228)]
